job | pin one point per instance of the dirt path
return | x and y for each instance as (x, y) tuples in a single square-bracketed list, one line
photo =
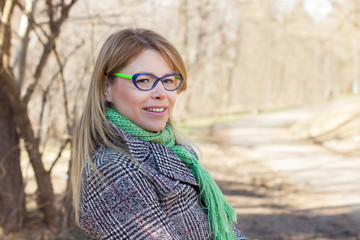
[(283, 188)]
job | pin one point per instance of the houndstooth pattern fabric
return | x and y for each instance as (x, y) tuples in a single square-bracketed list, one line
[(157, 199)]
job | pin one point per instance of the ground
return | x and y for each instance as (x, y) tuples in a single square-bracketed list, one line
[(283, 186)]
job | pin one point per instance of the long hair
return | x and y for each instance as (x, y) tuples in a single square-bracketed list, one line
[(93, 130)]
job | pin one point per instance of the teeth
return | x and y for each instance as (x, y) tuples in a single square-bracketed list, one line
[(156, 109)]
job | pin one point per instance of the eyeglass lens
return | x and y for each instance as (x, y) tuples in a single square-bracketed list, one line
[(146, 82)]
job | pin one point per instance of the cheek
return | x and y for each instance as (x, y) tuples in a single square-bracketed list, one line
[(124, 98), (125, 92), (133, 99), (172, 98)]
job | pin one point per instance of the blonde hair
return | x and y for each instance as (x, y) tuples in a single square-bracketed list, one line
[(93, 129)]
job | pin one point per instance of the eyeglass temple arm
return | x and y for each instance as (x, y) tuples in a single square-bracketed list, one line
[(123, 75)]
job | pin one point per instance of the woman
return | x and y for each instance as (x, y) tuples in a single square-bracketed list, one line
[(134, 177)]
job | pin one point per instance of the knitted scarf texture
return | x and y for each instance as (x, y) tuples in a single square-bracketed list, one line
[(220, 213)]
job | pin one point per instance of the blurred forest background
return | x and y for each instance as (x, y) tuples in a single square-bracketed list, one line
[(242, 56)]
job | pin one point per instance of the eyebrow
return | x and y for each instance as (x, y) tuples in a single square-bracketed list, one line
[(157, 75)]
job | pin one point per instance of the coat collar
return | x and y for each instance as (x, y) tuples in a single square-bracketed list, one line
[(171, 165), (167, 161)]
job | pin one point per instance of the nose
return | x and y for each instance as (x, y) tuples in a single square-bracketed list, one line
[(158, 92)]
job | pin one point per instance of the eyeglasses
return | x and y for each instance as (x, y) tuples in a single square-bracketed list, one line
[(147, 81)]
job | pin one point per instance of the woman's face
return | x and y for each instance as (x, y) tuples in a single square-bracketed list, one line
[(148, 109)]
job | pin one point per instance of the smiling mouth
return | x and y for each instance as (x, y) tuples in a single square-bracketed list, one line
[(155, 109)]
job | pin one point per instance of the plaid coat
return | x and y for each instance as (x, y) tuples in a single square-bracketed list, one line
[(157, 199)]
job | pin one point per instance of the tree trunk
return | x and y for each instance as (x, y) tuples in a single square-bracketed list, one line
[(46, 201), (12, 197), (21, 119)]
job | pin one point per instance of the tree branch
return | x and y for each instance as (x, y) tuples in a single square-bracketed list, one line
[(61, 149), (48, 47), (63, 84), (47, 89), (50, 13)]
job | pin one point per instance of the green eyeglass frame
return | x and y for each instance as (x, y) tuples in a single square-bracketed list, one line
[(137, 75)]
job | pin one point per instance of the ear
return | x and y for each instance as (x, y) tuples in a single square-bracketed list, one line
[(106, 91)]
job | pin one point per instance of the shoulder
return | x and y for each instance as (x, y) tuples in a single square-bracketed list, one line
[(132, 149), (105, 155), (106, 165), (110, 170)]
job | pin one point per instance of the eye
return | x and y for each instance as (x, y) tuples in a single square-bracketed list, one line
[(142, 80), (169, 81)]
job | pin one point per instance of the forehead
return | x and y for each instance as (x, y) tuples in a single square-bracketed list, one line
[(149, 60)]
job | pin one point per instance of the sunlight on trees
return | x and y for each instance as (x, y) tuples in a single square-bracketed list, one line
[(242, 56)]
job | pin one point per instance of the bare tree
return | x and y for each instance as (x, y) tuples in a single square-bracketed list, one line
[(12, 197), (57, 13)]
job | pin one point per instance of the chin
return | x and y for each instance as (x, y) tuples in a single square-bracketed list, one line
[(156, 128)]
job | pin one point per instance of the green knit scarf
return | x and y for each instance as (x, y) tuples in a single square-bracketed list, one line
[(220, 213)]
